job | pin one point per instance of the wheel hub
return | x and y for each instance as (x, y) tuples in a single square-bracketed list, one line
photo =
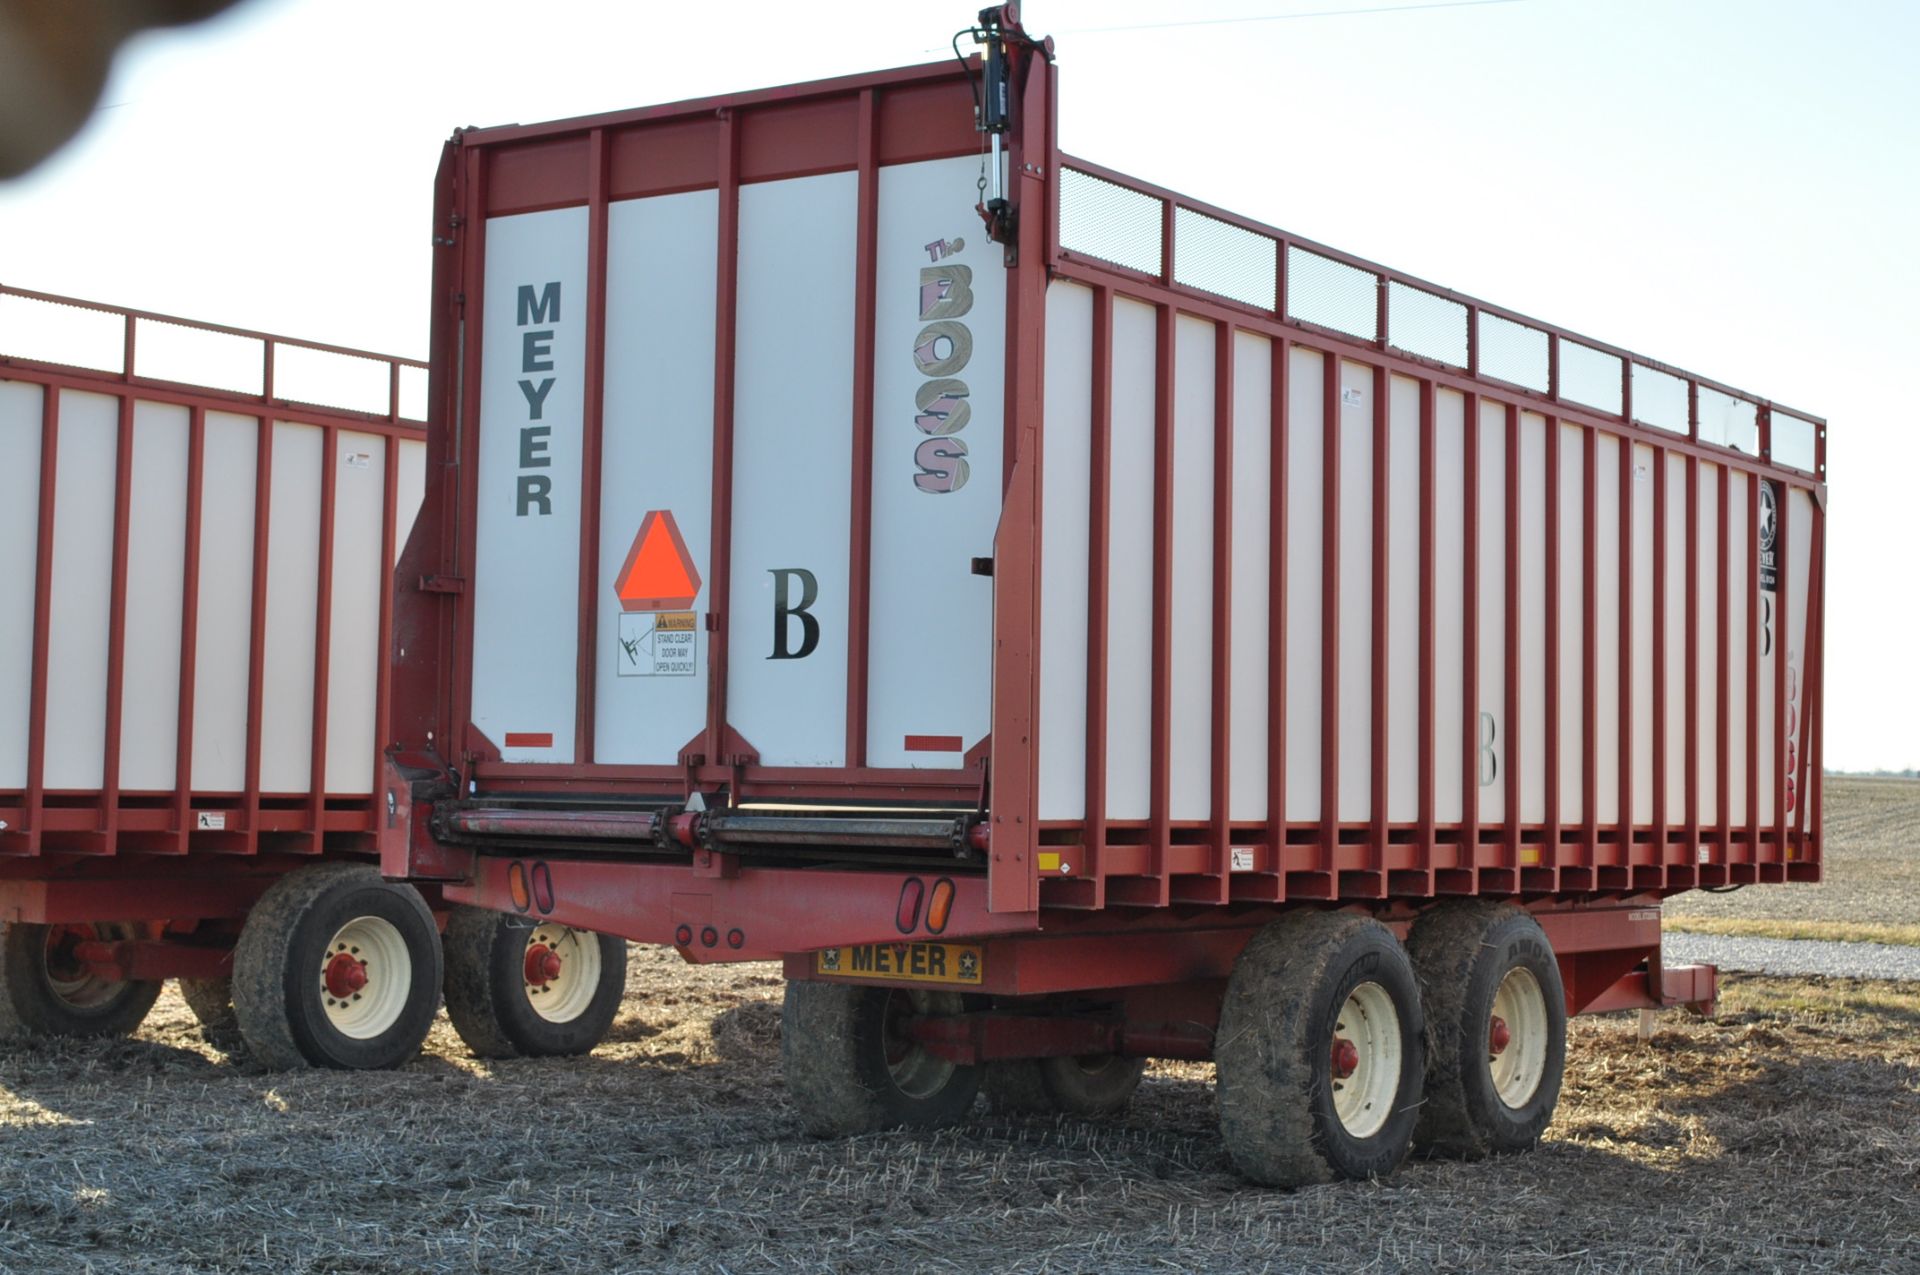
[(1499, 1036), (543, 965), (345, 975), (1346, 1058)]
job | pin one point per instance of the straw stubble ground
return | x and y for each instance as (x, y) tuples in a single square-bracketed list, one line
[(1785, 1136)]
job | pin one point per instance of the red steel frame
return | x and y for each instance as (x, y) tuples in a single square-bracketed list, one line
[(56, 832), (1127, 874)]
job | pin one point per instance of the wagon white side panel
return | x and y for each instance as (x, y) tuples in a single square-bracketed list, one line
[(1403, 604), (1496, 732), (526, 586), (1130, 564), (930, 627), (656, 454), (156, 562), (1253, 513), (293, 583), (1306, 536), (21, 407), (222, 651), (360, 581), (792, 434), (1065, 531), (1190, 657), (82, 590)]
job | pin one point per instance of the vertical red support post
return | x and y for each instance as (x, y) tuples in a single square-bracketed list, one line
[(257, 622), (592, 437), (1723, 674), (1513, 753), (1278, 417), (1100, 502), (1013, 769), (42, 618), (1754, 856), (469, 294), (1659, 723), (1623, 848), (383, 667), (1381, 603), (1424, 783), (1550, 680), (721, 539), (323, 639), (1782, 652), (1330, 624), (109, 825), (860, 533), (189, 631), (1693, 667), (1470, 644), (1590, 645), (1221, 788)]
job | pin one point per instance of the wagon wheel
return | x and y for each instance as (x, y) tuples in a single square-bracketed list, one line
[(1319, 1053), (46, 990), (853, 1067), (336, 968), (1496, 1026), (516, 986)]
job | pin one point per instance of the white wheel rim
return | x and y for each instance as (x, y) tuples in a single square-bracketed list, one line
[(1520, 1014), (1363, 1098), (560, 971), (364, 1005)]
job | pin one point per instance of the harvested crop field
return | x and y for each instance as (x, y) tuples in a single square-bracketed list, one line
[(1785, 1136), (1871, 876)]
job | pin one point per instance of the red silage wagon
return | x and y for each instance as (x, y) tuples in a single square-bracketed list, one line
[(1065, 622), (1070, 624), (200, 524)]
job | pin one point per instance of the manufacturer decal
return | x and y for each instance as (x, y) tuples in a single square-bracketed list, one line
[(904, 962), (533, 493), (941, 351)]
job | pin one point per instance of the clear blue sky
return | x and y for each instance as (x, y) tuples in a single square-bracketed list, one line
[(1727, 185)]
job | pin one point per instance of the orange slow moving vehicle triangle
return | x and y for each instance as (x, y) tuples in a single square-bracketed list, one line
[(658, 574)]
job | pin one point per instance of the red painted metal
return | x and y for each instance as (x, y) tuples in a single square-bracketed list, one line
[(344, 975), (592, 432), (860, 526)]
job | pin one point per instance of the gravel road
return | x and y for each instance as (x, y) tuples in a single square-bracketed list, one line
[(1794, 956)]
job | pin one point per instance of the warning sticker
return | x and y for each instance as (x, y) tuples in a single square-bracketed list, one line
[(662, 644)]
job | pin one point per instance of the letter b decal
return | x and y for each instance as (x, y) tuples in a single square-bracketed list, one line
[(785, 609)]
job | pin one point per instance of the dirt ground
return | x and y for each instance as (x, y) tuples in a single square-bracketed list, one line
[(1785, 1136), (1871, 873)]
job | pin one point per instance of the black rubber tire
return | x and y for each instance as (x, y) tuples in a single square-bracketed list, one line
[(31, 1004), (1461, 952), (1272, 1053), (1101, 1085), (278, 963), (486, 987), (211, 1000), (833, 1049)]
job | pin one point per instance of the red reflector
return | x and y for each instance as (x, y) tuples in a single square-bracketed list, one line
[(933, 743), (907, 915), (529, 739)]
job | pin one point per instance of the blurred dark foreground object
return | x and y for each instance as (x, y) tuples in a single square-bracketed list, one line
[(54, 56)]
